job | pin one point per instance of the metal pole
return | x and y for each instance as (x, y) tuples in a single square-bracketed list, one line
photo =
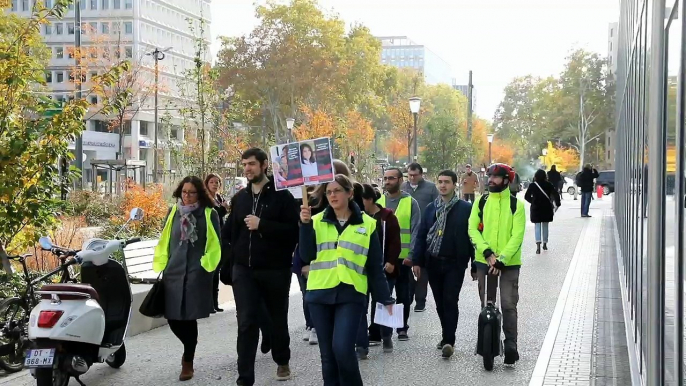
[(490, 157), (656, 200), (156, 54), (469, 115), (414, 150), (78, 144)]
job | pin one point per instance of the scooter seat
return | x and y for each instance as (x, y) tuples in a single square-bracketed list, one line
[(78, 288)]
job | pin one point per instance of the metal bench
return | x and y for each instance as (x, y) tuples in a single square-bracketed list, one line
[(138, 261)]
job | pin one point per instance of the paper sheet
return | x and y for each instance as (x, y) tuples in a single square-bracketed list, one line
[(383, 318)]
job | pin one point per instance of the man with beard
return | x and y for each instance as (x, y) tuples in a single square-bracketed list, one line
[(442, 253), (406, 209), (264, 233), (496, 228)]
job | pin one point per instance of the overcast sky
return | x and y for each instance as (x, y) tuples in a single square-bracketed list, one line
[(497, 39)]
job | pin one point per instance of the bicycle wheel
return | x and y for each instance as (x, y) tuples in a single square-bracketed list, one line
[(14, 318)]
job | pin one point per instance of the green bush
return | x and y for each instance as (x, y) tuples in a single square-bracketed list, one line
[(92, 207)]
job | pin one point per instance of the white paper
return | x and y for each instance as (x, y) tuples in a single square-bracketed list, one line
[(383, 318)]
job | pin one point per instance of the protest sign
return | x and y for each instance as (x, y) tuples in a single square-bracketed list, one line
[(302, 163)]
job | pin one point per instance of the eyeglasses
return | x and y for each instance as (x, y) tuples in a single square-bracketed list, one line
[(188, 193), (334, 192), (391, 178)]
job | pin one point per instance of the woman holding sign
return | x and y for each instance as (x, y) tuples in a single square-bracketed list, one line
[(342, 246)]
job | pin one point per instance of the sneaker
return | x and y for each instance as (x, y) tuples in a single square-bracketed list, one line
[(447, 351), (440, 345), (402, 335), (313, 337), (306, 334), (362, 353), (511, 354), (388, 345), (420, 308), (283, 373), (374, 342)]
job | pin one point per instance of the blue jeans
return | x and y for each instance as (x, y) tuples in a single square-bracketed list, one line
[(402, 292), (541, 232), (586, 202), (378, 332), (302, 280), (337, 326)]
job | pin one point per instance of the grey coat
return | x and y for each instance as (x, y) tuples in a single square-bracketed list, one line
[(187, 285)]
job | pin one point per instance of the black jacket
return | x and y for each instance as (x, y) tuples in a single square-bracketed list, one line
[(585, 180), (456, 243), (541, 206), (271, 246)]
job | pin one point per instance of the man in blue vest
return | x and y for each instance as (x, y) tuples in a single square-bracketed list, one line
[(407, 211)]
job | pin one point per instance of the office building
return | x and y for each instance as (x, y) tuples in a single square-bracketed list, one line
[(131, 30), (401, 52), (612, 51), (649, 207), (464, 89)]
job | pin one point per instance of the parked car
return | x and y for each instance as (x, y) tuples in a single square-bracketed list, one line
[(606, 179), (570, 185)]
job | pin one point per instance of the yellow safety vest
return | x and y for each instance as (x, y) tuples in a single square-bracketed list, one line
[(404, 214), (340, 258), (213, 251)]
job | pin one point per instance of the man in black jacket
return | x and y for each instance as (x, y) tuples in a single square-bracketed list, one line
[(264, 233), (443, 250), (585, 181)]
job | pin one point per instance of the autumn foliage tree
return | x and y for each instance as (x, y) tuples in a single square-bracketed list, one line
[(502, 152), (356, 136), (315, 124)]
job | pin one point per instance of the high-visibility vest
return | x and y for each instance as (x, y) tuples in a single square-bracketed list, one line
[(404, 214), (213, 251), (340, 258)]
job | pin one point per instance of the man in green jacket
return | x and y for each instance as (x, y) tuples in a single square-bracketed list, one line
[(496, 228)]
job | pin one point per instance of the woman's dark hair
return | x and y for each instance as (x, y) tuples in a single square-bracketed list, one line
[(204, 198), (319, 194), (211, 176), (540, 176), (369, 193), (553, 168), (311, 159)]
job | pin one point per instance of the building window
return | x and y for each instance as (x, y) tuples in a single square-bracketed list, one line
[(128, 27), (128, 4), (174, 132), (94, 100), (101, 126), (144, 128), (59, 52), (127, 127), (105, 28), (71, 6), (93, 27), (48, 77), (14, 5), (82, 4), (70, 28), (105, 4), (94, 4), (25, 5), (48, 29), (117, 4), (129, 52), (59, 28), (60, 77)]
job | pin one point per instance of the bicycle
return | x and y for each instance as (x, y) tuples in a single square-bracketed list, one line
[(15, 311)]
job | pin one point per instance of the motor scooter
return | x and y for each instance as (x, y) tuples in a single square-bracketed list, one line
[(77, 325)]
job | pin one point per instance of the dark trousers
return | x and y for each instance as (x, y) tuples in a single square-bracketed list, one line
[(302, 281), (252, 290), (362, 339), (215, 285), (419, 289), (445, 278), (187, 332), (376, 331), (402, 292), (509, 297), (469, 197), (586, 202), (337, 326)]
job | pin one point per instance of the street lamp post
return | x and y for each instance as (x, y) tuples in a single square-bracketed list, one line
[(157, 55), (290, 122), (545, 158), (490, 145), (415, 103)]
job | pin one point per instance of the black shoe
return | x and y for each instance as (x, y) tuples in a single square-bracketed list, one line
[(420, 308), (213, 312), (545, 246), (439, 346), (447, 351), (266, 346), (217, 309), (511, 354), (388, 345), (538, 248), (402, 335)]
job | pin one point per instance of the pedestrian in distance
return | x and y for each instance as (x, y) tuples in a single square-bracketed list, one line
[(188, 252), (585, 181), (544, 199), (496, 228), (555, 178), (407, 210), (515, 184), (443, 251), (424, 192), (213, 183), (342, 247), (388, 229), (470, 184), (264, 233)]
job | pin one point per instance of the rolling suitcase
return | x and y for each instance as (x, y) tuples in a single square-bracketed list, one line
[(489, 345)]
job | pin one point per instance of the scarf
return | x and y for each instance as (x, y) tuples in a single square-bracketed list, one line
[(435, 236), (188, 231)]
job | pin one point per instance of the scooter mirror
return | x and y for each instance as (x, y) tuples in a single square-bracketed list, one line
[(136, 214), (45, 242)]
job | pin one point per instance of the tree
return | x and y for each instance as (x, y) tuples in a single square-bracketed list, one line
[(356, 137), (315, 124), (32, 138), (502, 152), (565, 159), (395, 147)]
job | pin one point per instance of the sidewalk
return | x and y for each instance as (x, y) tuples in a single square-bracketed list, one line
[(153, 356)]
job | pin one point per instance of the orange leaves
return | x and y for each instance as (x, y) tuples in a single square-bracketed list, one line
[(316, 124), (151, 200), (502, 152), (358, 134), (395, 147)]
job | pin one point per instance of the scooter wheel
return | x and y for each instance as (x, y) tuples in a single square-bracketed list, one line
[(117, 359), (51, 377), (487, 349)]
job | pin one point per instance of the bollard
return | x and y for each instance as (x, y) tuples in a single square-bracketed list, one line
[(599, 192)]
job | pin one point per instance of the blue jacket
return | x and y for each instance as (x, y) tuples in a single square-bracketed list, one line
[(456, 242)]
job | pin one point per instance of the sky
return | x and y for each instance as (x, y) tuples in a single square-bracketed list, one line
[(496, 39)]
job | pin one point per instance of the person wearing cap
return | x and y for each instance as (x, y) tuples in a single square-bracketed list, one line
[(470, 184), (496, 228)]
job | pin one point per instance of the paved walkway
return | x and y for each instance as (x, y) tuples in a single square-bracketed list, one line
[(153, 357)]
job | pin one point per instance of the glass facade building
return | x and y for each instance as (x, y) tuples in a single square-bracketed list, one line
[(651, 184), (401, 52)]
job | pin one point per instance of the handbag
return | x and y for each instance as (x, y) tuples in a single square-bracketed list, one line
[(548, 197), (153, 304)]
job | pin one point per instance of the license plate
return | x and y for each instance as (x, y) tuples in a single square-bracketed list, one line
[(40, 357)]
